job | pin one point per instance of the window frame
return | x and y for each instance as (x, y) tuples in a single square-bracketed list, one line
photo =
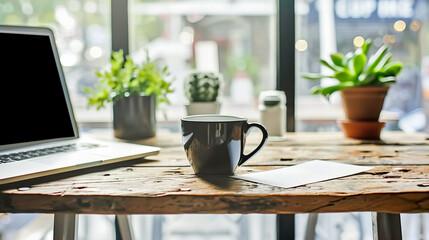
[(285, 44)]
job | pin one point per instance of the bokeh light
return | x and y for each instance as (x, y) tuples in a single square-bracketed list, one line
[(399, 26), (301, 45), (358, 41)]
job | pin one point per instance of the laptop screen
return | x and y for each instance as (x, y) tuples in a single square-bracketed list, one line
[(33, 104)]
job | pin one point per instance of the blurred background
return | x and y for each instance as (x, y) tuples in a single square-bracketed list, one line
[(238, 38)]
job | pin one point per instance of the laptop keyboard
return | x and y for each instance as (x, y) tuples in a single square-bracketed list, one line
[(7, 158)]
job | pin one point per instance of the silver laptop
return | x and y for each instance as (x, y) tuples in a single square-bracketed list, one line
[(38, 132)]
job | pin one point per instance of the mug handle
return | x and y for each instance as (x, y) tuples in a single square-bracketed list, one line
[(244, 157)]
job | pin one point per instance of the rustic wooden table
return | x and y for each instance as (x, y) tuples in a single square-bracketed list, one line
[(166, 184)]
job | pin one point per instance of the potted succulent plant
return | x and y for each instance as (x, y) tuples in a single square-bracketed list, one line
[(135, 91), (363, 82), (202, 90)]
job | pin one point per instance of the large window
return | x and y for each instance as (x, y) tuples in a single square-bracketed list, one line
[(328, 26), (236, 38)]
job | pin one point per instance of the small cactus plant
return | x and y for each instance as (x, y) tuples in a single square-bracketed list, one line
[(202, 86)]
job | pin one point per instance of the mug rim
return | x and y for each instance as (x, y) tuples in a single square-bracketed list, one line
[(208, 118)]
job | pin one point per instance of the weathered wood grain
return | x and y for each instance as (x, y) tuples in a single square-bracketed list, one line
[(287, 155), (165, 184), (166, 190), (394, 149)]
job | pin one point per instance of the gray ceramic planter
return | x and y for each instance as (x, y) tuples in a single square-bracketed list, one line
[(134, 117)]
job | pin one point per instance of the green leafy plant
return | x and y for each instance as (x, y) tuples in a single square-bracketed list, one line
[(202, 86), (125, 78), (356, 69)]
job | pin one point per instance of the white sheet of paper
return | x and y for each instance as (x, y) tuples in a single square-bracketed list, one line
[(304, 173)]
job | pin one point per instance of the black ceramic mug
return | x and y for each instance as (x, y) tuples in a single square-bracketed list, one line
[(214, 144)]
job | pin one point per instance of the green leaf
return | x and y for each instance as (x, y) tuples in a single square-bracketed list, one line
[(385, 60), (366, 46), (368, 80), (359, 63), (108, 75), (391, 69), (129, 64), (314, 76), (87, 90), (328, 91), (344, 76), (315, 90), (328, 65), (134, 84), (337, 59), (347, 58), (387, 81), (376, 58)]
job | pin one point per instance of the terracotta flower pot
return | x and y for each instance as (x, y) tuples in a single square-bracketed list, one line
[(362, 129), (363, 103)]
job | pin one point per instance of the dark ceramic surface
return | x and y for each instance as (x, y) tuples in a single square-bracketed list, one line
[(216, 147), (134, 117)]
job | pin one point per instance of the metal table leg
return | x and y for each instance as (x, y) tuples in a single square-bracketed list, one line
[(285, 227), (124, 226), (310, 231), (65, 226), (386, 226)]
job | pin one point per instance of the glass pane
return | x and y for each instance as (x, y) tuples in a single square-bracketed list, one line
[(236, 38), (335, 26), (82, 32)]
